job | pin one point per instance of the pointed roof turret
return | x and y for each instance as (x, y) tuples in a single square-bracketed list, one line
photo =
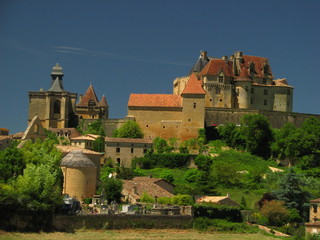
[(193, 86), (56, 86), (91, 96), (201, 63), (103, 102), (57, 71)]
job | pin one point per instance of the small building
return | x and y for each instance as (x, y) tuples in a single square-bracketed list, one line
[(80, 175), (4, 142), (313, 226), (155, 187), (221, 200), (123, 150), (84, 141)]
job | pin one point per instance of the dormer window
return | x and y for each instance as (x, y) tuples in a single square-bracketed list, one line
[(91, 104), (56, 107), (221, 78)]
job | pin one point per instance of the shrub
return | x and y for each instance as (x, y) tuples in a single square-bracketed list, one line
[(218, 211), (87, 200), (192, 175), (146, 198), (167, 175), (276, 212), (182, 200)]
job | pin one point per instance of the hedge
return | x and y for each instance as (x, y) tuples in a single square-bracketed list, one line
[(163, 160), (215, 211)]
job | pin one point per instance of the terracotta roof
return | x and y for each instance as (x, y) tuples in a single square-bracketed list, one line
[(244, 75), (77, 158), (66, 149), (18, 135), (2, 137), (139, 185), (315, 200), (193, 86), (154, 100), (258, 64), (128, 140), (215, 66), (91, 137), (103, 102), (89, 95)]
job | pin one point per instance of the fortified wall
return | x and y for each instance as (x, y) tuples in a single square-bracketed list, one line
[(216, 116)]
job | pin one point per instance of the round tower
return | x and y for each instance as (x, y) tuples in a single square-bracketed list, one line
[(79, 174), (243, 85)]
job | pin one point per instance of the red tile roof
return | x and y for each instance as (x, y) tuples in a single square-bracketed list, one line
[(215, 66), (154, 100), (193, 86), (89, 95), (244, 75), (258, 64)]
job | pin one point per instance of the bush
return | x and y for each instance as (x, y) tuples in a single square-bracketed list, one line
[(192, 175), (167, 175), (87, 200), (218, 211), (276, 212)]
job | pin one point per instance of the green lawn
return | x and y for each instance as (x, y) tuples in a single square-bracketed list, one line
[(142, 234)]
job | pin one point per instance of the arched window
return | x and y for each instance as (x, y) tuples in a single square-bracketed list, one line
[(56, 106)]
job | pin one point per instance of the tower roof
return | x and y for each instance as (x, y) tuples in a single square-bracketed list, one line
[(201, 62), (193, 86), (56, 86), (57, 70), (103, 102), (89, 95), (77, 158)]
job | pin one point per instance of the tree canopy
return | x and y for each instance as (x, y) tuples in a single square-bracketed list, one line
[(130, 129)]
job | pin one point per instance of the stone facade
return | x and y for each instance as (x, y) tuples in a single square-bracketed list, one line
[(54, 107), (123, 150), (313, 226), (239, 82)]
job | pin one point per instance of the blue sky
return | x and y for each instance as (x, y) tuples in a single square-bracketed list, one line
[(141, 46)]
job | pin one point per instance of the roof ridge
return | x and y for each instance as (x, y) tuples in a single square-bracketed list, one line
[(193, 86)]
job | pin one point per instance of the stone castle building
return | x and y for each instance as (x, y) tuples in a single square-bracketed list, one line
[(239, 82), (56, 106)]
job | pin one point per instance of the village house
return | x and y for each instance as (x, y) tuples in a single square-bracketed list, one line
[(313, 226), (84, 141), (221, 200), (154, 187), (123, 150)]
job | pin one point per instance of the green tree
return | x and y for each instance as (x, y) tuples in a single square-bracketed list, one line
[(232, 135), (291, 193), (130, 129), (167, 175), (203, 162), (276, 212), (160, 145), (112, 188), (11, 163), (98, 144), (39, 188), (258, 134)]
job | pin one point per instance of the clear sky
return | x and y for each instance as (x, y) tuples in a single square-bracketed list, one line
[(141, 46)]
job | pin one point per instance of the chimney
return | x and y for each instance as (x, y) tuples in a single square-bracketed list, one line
[(80, 97), (228, 195), (203, 55), (225, 58)]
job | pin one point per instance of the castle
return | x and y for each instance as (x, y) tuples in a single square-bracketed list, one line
[(214, 92)]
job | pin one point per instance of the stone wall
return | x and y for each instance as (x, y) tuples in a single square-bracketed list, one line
[(216, 116)]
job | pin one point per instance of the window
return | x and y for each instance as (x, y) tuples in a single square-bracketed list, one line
[(56, 107), (145, 151), (194, 105), (315, 208), (251, 100), (91, 104), (131, 150), (264, 81), (221, 79), (265, 92), (252, 90), (265, 102), (118, 160), (246, 88), (288, 91), (117, 150)]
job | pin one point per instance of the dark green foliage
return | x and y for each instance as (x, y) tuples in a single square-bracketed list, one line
[(167, 175), (215, 211), (87, 200), (98, 144), (192, 175), (203, 162), (105, 172), (232, 135), (291, 193), (257, 134), (124, 173), (51, 135), (112, 188), (95, 128), (165, 160), (130, 129), (184, 150), (11, 163), (160, 145)]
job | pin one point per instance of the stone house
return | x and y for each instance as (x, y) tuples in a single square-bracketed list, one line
[(84, 141), (123, 150), (155, 187), (170, 115), (221, 200), (313, 226)]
